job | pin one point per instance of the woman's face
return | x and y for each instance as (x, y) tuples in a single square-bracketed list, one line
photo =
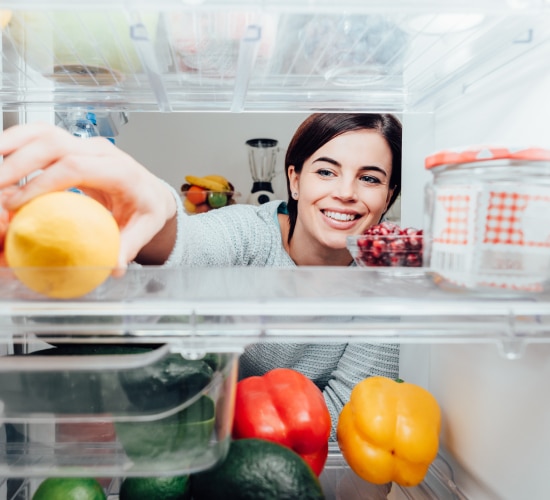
[(343, 188)]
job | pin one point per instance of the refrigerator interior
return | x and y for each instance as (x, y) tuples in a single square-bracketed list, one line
[(459, 73)]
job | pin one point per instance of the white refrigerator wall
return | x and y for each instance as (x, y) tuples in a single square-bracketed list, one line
[(496, 411)]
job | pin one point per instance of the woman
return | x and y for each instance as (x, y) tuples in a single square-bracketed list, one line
[(343, 173)]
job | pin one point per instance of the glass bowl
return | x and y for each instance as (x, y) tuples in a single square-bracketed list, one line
[(199, 202), (386, 250)]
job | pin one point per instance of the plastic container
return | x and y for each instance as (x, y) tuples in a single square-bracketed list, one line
[(392, 250), (209, 44), (81, 46), (351, 49), (111, 410), (488, 213)]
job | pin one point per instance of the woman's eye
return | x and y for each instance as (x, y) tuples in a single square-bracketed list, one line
[(323, 172), (370, 179)]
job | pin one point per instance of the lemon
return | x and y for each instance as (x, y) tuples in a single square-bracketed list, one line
[(70, 488), (62, 244)]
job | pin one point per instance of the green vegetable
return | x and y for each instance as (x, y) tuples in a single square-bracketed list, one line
[(165, 384), (258, 469), (184, 433), (155, 488), (160, 386)]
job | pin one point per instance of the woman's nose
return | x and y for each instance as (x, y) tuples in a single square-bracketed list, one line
[(346, 190)]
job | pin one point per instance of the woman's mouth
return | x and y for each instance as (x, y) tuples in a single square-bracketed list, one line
[(340, 216)]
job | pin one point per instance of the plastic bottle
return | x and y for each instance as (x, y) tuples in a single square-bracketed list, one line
[(82, 124)]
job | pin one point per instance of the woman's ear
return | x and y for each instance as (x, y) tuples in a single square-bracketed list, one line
[(293, 179), (388, 199)]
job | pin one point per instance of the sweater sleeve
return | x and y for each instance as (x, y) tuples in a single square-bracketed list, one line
[(236, 235), (175, 256), (358, 362)]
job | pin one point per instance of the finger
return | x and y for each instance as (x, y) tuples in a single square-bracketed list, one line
[(38, 185), (119, 271), (17, 136), (4, 222), (69, 171), (34, 151), (5, 194), (139, 231)]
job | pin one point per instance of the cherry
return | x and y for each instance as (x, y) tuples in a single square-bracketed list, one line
[(390, 245)]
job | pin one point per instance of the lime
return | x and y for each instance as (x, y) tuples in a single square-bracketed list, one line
[(154, 488), (69, 488), (217, 200)]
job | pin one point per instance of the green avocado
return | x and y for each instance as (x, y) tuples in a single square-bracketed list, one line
[(256, 469), (155, 488)]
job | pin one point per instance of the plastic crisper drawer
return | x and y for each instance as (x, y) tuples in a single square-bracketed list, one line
[(106, 410), (338, 481)]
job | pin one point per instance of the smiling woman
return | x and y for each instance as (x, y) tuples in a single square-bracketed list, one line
[(342, 189), (343, 173), (354, 148)]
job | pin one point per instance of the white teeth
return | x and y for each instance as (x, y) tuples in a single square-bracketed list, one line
[(340, 216)]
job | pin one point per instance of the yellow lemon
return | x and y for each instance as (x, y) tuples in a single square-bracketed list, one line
[(62, 244)]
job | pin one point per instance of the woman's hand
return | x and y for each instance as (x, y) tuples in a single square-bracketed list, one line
[(141, 203)]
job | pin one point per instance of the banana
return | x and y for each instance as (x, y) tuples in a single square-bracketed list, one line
[(218, 178), (211, 185), (189, 207)]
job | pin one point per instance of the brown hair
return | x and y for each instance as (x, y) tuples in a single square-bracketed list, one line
[(320, 128)]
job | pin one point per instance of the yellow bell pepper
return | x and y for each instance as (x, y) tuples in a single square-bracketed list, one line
[(389, 431)]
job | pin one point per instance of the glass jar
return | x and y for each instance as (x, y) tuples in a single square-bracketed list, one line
[(488, 218)]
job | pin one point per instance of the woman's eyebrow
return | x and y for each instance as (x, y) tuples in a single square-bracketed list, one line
[(368, 168), (326, 159)]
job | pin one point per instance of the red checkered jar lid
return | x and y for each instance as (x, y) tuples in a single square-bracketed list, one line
[(479, 154)]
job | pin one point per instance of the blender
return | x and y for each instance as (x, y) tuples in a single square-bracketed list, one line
[(262, 158)]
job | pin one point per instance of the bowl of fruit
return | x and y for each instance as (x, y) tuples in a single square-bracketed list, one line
[(202, 194), (387, 245)]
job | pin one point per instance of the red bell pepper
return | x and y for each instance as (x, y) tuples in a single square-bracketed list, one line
[(286, 407)]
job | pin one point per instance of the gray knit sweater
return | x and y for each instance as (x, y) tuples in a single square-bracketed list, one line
[(247, 235)]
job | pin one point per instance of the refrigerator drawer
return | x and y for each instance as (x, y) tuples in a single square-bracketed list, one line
[(108, 410), (338, 481)]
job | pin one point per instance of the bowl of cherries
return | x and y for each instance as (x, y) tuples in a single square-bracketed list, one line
[(387, 245)]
